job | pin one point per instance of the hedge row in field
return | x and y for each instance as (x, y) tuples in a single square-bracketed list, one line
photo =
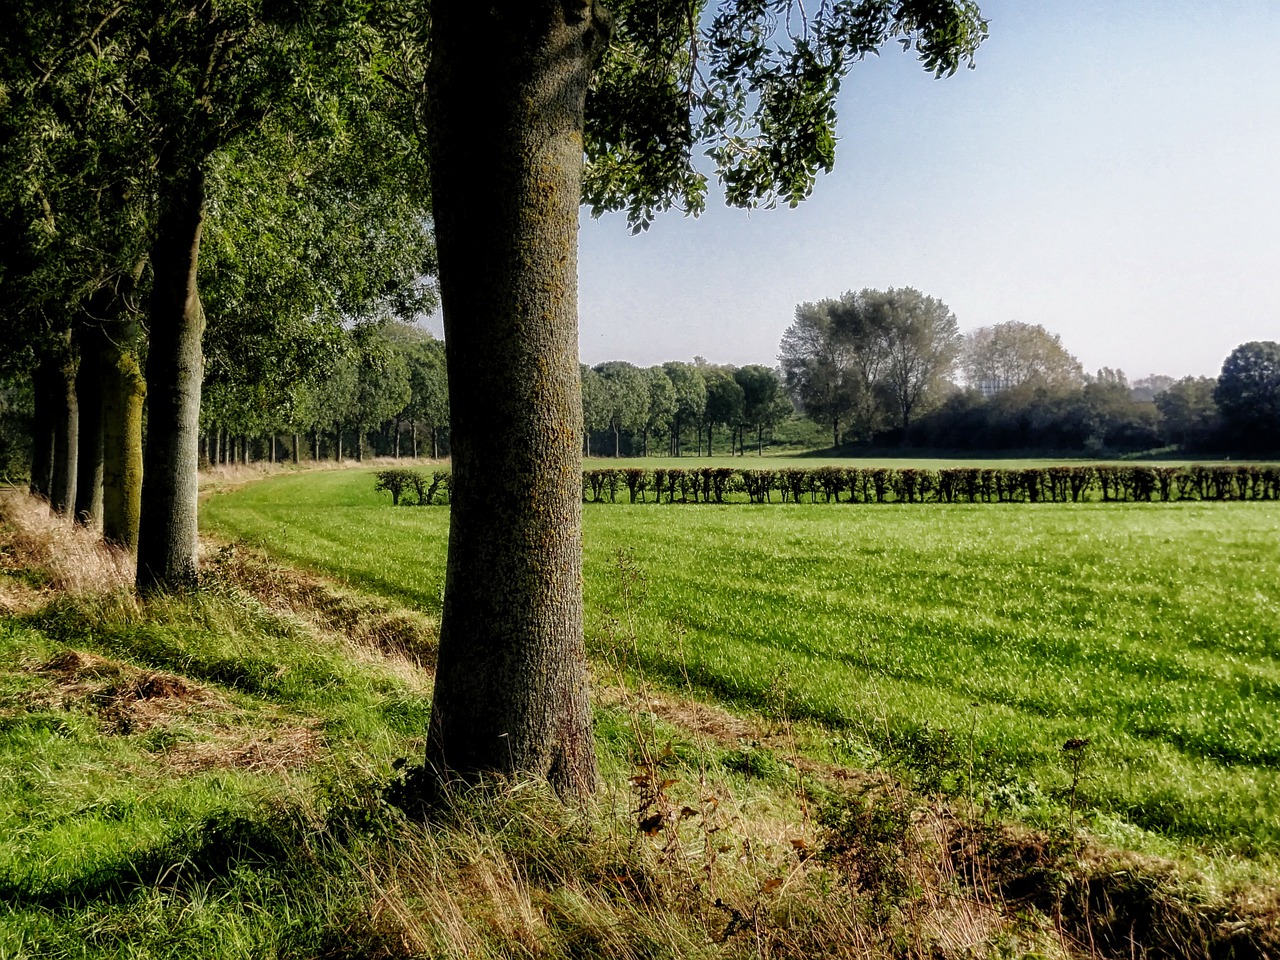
[(886, 485), (426, 489), (952, 485)]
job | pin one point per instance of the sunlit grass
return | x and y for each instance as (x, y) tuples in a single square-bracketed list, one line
[(963, 643)]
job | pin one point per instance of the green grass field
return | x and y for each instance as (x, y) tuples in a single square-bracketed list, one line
[(962, 644)]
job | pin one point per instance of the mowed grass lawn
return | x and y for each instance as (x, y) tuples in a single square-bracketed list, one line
[(965, 644)]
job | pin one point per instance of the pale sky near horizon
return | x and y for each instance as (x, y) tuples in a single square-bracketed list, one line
[(1109, 170)]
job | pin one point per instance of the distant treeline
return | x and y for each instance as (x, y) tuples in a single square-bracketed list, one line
[(832, 484)]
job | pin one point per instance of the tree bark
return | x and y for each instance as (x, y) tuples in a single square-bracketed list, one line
[(123, 394), (175, 368), (508, 83), (297, 450), (66, 430), (44, 387), (89, 397)]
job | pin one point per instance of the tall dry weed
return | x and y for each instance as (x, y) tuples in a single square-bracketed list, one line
[(50, 554)]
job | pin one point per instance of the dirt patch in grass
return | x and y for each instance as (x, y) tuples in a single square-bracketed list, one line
[(292, 747), (124, 698), (129, 701)]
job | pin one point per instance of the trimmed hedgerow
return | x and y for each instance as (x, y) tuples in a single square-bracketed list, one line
[(426, 488), (1109, 483)]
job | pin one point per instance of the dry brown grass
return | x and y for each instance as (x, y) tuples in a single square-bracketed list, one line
[(43, 555)]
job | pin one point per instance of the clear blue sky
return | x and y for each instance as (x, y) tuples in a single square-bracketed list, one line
[(1110, 170)]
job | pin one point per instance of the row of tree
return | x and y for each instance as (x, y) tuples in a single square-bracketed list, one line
[(892, 366), (196, 195), (668, 401)]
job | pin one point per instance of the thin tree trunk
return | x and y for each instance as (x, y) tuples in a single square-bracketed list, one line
[(617, 442), (44, 386), (175, 367), (124, 399), (66, 431), (338, 448), (435, 443), (89, 382), (709, 429), (413, 428), (315, 444), (508, 83), (297, 450)]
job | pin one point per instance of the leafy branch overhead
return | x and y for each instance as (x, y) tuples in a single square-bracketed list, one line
[(752, 84)]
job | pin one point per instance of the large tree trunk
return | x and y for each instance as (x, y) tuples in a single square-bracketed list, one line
[(175, 368), (89, 381), (66, 430), (508, 82), (123, 394)]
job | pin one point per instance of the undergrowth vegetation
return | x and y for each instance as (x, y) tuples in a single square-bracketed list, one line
[(222, 775)]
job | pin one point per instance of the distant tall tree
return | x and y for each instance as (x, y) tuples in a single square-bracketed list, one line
[(924, 340), (817, 366), (1148, 388), (628, 399), (726, 402), (691, 398), (1248, 395), (595, 405), (1014, 353), (1188, 413), (661, 410), (761, 389), (428, 386)]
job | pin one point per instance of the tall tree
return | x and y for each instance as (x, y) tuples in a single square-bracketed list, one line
[(661, 407), (726, 402), (1248, 395), (1015, 353), (628, 393), (818, 366), (924, 339), (761, 389), (595, 405), (519, 91), (691, 398), (1188, 413)]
